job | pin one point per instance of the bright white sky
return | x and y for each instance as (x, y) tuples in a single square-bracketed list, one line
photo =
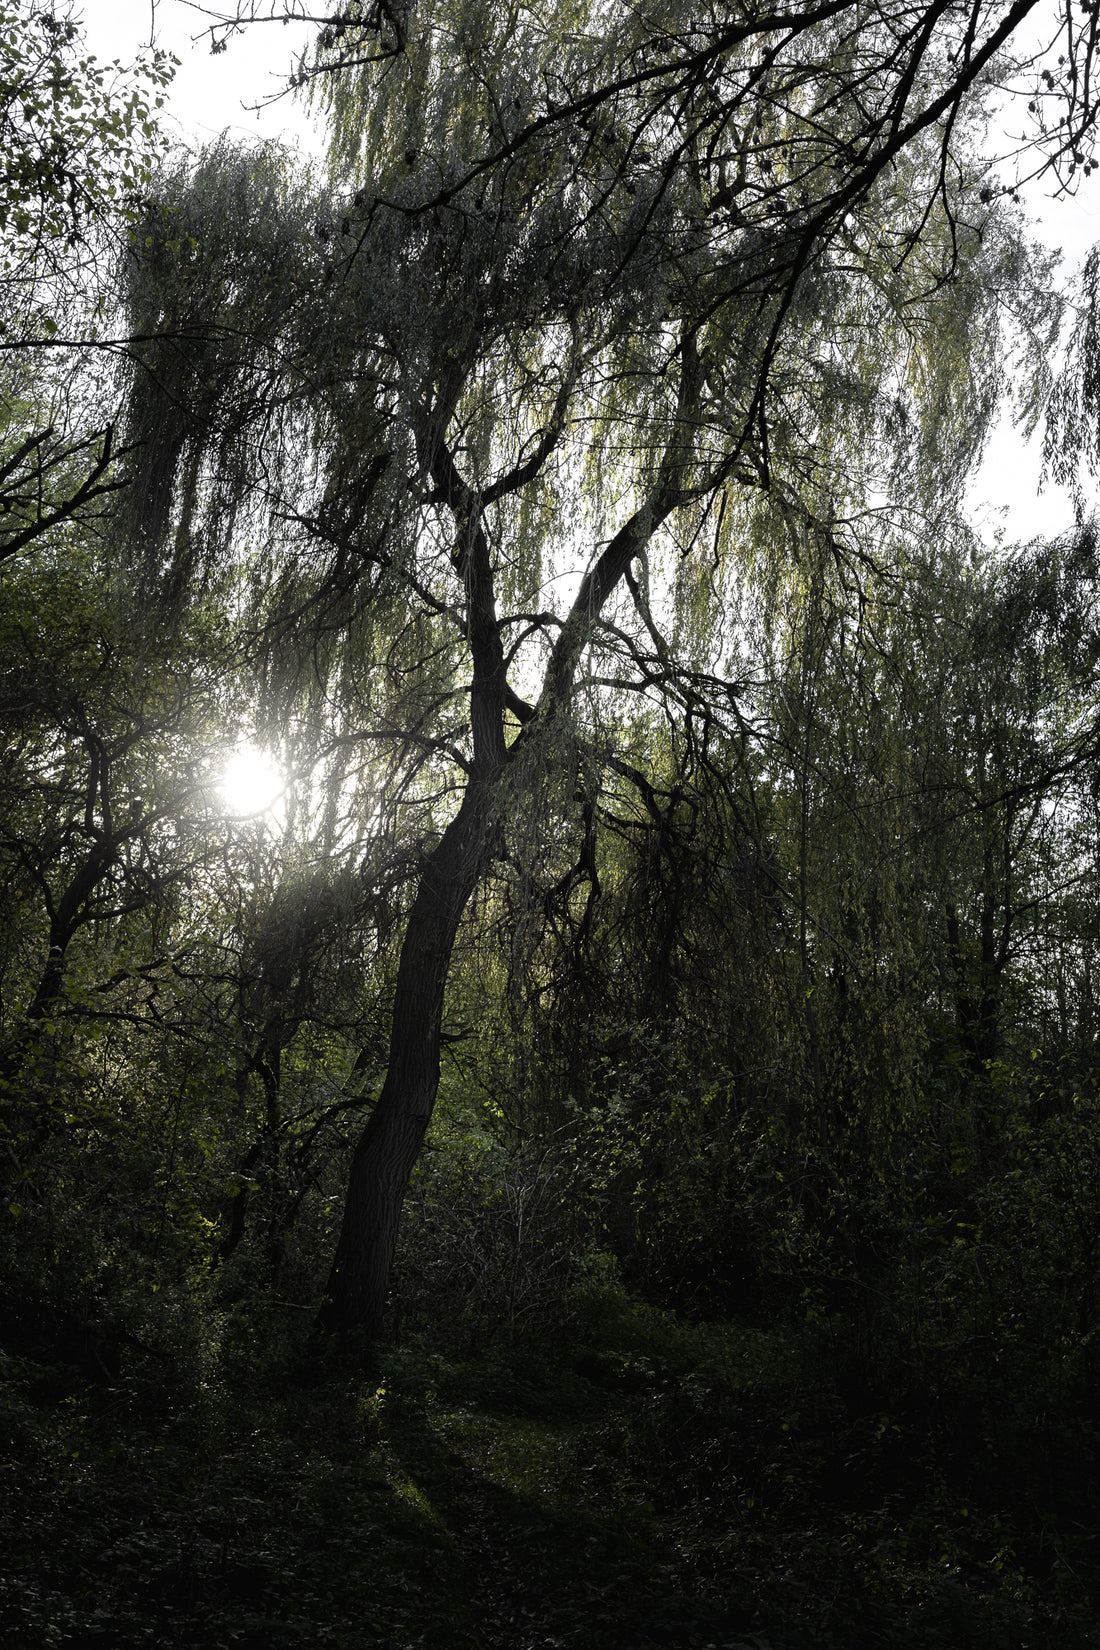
[(214, 94), (210, 94)]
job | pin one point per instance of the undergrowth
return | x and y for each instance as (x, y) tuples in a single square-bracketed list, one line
[(632, 1480)]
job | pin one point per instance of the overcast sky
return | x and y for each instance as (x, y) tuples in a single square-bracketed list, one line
[(210, 94), (213, 94)]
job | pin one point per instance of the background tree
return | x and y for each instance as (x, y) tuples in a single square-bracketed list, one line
[(79, 141)]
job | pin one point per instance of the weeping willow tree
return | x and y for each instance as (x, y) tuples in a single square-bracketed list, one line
[(596, 307)]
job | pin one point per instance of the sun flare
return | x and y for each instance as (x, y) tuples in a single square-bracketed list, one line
[(251, 783)]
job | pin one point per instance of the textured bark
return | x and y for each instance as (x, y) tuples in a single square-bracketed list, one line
[(390, 1144)]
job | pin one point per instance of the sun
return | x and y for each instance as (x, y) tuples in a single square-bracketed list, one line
[(251, 782)]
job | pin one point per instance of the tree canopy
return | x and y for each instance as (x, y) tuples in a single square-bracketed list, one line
[(625, 309)]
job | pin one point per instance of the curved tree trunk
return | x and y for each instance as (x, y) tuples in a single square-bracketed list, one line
[(390, 1143)]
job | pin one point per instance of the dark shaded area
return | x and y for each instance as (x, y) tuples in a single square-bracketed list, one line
[(649, 1484)]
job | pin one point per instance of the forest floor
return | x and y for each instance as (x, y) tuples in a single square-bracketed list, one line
[(643, 1484)]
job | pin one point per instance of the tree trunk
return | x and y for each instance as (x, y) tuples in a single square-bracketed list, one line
[(387, 1150)]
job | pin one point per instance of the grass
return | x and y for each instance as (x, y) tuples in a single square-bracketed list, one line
[(640, 1484)]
